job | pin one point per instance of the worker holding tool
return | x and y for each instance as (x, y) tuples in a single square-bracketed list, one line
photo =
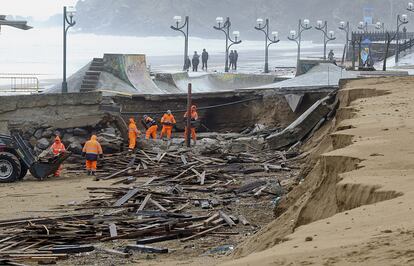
[(58, 148), (151, 127), (168, 122), (92, 150), (194, 118), (133, 133)]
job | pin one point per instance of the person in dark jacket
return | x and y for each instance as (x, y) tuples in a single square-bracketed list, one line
[(231, 59), (204, 59), (236, 58), (195, 61), (187, 64)]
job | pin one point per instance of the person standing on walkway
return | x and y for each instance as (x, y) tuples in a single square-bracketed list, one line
[(168, 122), (133, 133), (331, 57), (187, 64), (195, 61), (231, 59), (204, 59), (236, 58), (91, 151)]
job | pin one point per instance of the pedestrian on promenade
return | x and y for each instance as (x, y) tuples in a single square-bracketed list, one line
[(204, 59), (187, 64), (195, 61), (331, 57), (231, 59), (236, 58)]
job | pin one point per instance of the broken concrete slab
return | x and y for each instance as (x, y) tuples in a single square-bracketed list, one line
[(301, 126), (294, 100)]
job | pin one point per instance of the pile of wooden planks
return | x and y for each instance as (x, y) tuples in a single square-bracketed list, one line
[(152, 199)]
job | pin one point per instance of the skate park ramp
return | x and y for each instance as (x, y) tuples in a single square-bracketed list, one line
[(119, 73), (131, 69), (128, 74), (320, 76), (211, 82)]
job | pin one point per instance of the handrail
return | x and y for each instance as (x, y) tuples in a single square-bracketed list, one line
[(406, 45), (380, 36), (19, 83)]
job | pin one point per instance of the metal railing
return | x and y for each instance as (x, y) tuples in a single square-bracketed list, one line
[(19, 83), (406, 45), (376, 36)]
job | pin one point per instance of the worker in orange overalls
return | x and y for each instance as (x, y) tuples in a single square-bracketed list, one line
[(133, 133), (151, 127), (168, 122), (194, 118), (58, 148), (92, 150)]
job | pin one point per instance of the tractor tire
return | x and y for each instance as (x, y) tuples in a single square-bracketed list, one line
[(10, 167), (23, 172)]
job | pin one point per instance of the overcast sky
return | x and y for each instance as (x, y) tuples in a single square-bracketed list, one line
[(39, 9)]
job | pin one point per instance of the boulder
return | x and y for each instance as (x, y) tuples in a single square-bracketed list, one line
[(59, 133), (76, 139), (110, 130), (38, 133), (75, 147), (80, 132), (66, 138), (43, 144), (31, 131), (47, 133)]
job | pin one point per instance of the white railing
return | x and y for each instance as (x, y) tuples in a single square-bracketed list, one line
[(11, 83)]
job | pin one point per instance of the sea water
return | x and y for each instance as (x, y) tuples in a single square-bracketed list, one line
[(39, 51)]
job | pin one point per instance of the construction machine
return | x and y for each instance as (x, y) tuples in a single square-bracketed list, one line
[(17, 158)]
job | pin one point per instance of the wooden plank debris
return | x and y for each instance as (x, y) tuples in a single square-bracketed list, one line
[(126, 197), (145, 249), (227, 219)]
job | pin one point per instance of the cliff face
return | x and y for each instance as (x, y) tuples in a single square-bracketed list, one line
[(149, 17)]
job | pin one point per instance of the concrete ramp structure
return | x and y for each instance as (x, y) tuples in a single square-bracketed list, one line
[(211, 82), (131, 69), (128, 74)]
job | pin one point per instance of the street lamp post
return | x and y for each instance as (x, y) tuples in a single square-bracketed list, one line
[(297, 37), (401, 20), (410, 7), (363, 26), (224, 26), (327, 36), (345, 27), (179, 28), (268, 41), (379, 26), (68, 14)]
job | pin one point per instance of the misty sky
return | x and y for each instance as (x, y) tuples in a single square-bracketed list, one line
[(38, 9)]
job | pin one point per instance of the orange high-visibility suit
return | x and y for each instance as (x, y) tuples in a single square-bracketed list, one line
[(91, 151), (133, 133), (58, 148), (167, 122), (151, 127), (194, 117)]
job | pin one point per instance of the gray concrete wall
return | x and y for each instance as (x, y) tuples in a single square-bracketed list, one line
[(268, 107), (49, 110)]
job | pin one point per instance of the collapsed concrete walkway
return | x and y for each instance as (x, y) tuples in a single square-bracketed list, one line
[(355, 205)]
